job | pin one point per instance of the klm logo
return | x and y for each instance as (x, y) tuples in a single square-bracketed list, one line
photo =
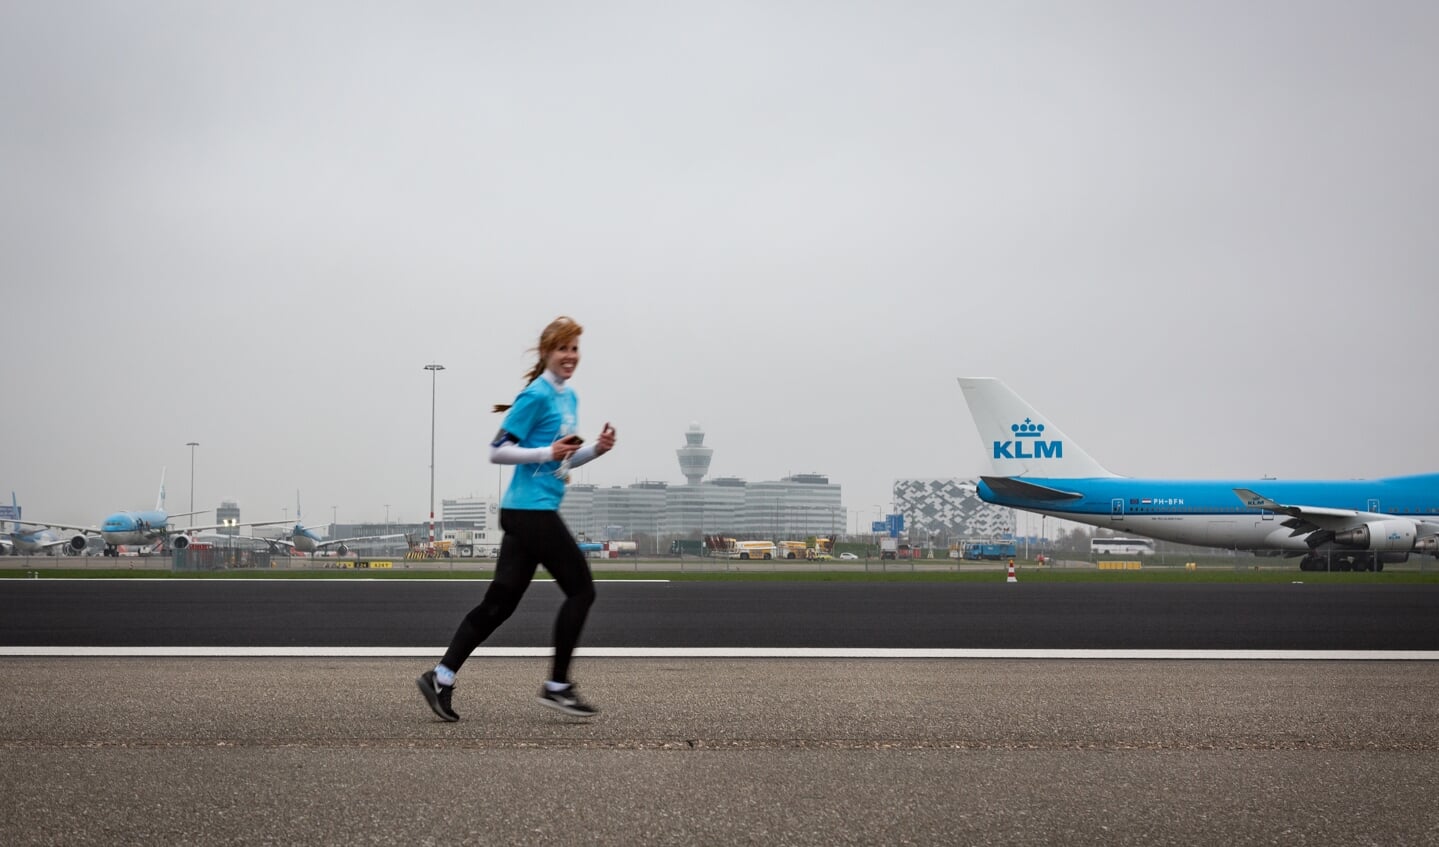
[(1028, 443)]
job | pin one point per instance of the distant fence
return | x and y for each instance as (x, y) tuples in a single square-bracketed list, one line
[(218, 559)]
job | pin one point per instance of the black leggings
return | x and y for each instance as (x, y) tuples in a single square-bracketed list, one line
[(531, 538)]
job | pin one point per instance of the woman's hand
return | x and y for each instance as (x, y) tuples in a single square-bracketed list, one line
[(606, 442), (566, 447)]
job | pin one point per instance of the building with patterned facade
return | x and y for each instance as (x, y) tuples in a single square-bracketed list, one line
[(945, 511)]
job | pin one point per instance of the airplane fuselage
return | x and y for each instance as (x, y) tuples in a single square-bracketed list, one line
[(135, 527), (305, 541), (39, 541), (1209, 513)]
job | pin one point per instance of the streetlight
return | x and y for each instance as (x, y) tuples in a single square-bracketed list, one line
[(230, 527), (434, 370), (387, 517), (192, 445)]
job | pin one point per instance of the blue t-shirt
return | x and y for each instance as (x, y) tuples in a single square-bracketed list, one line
[(540, 416)]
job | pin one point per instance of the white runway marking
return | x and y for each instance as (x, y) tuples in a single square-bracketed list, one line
[(731, 653), (243, 580)]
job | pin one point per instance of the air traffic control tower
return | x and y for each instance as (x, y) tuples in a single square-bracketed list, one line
[(694, 456)]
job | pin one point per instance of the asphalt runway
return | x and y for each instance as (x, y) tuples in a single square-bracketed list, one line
[(423, 613), (325, 750)]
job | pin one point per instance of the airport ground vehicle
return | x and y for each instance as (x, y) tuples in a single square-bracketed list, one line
[(687, 547), (732, 549), (990, 550), (792, 550), (753, 550), (1122, 546)]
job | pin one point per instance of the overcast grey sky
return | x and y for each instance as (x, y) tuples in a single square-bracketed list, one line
[(1201, 237)]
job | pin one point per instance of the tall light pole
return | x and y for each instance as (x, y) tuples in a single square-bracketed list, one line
[(387, 517), (434, 370), (192, 445)]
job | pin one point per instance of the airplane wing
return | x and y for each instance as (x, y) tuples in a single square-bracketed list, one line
[(180, 530), (59, 542), (275, 543), (1303, 519), (93, 530), (335, 541)]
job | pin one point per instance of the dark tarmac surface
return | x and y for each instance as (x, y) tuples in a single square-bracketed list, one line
[(717, 751)]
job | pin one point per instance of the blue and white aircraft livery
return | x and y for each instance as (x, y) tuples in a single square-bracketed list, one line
[(306, 540), (22, 542), (1350, 524), (142, 528)]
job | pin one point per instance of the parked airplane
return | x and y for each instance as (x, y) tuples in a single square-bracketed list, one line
[(21, 543), (306, 540), (1350, 524), (142, 528)]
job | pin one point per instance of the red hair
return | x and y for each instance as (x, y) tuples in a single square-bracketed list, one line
[(561, 330)]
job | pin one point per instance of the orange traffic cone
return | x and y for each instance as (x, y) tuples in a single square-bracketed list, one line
[(1011, 577)]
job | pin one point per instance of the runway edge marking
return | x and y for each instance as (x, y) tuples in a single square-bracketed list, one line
[(730, 653)]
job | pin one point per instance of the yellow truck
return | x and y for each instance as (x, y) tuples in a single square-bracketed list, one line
[(793, 550), (753, 550)]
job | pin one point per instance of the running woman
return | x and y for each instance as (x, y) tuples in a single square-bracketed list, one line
[(539, 437)]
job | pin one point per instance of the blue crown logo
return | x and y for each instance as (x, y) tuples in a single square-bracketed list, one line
[(1028, 429), (1038, 448)]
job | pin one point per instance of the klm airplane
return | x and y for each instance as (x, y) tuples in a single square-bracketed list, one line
[(142, 528), (303, 539), (1351, 524)]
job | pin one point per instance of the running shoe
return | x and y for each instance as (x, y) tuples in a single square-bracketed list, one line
[(568, 701), (437, 695)]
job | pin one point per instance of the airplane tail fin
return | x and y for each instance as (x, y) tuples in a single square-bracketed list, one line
[(160, 498), (1018, 439)]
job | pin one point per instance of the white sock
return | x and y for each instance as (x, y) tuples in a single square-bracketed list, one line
[(444, 675), (551, 685)]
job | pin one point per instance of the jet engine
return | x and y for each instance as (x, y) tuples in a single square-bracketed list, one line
[(1390, 535), (78, 543), (1427, 544), (180, 542), (341, 550)]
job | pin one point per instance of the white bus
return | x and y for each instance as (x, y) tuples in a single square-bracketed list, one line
[(1122, 546)]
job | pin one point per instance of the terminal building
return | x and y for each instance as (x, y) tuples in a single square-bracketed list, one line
[(470, 513), (794, 506)]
